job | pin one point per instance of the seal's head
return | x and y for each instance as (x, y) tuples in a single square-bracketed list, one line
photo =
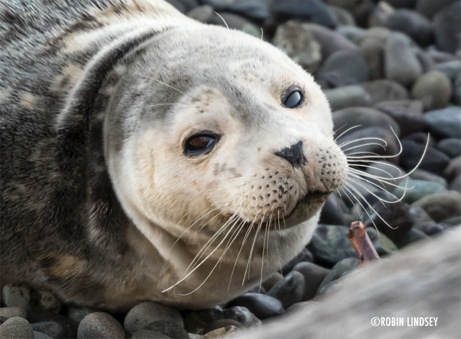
[(222, 152)]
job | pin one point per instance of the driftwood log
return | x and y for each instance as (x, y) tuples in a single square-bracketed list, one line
[(423, 280)]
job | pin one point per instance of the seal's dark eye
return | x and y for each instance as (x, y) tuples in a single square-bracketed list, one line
[(293, 97), (201, 143)]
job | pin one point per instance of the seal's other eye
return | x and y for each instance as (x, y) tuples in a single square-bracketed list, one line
[(200, 143), (293, 97)]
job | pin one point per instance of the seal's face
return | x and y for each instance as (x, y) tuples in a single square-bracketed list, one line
[(228, 136)]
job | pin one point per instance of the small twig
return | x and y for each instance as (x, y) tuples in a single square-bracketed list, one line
[(361, 242)]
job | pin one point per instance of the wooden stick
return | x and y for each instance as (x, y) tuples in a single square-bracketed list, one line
[(361, 242)]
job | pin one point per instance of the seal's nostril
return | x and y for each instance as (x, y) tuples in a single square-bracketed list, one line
[(293, 154)]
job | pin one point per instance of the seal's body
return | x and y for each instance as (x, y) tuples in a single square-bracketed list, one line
[(146, 156)]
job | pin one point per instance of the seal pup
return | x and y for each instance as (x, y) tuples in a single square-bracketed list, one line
[(146, 156)]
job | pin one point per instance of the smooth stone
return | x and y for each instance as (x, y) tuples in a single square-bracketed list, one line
[(446, 25), (441, 205), (455, 185), (289, 290), (341, 269), (197, 321), (385, 174), (408, 114), (147, 312), (421, 218), (360, 9), (148, 334), (391, 148), (242, 315), (222, 323), (380, 14), (395, 219), (453, 221), (364, 117), (450, 146), (402, 3), (329, 40), (201, 13), (12, 311), (303, 255), (429, 8), (68, 326), (47, 301), (313, 276), (347, 96), (373, 53), (343, 68), (342, 16), (314, 11), (50, 328), (427, 64), (453, 169), (352, 33), (400, 62), (413, 24), (385, 90), (297, 41), (178, 5), (169, 328), (40, 335), (422, 138), (450, 68), (418, 189), (330, 244), (17, 295), (435, 228), (78, 313), (433, 89), (221, 332), (255, 10), (189, 4), (420, 174), (433, 161), (378, 34), (100, 325), (333, 212), (445, 123), (16, 327), (262, 306), (272, 280), (410, 237)]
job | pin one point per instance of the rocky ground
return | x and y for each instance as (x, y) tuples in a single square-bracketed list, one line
[(394, 63)]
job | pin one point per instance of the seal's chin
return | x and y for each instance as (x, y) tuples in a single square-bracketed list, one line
[(305, 208)]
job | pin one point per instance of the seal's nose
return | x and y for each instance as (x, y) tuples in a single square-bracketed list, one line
[(293, 154)]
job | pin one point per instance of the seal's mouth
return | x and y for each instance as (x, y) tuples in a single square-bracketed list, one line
[(305, 208)]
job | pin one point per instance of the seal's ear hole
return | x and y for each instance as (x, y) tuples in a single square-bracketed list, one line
[(293, 97), (200, 143)]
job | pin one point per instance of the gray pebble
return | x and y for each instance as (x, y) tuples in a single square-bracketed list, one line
[(429, 8), (40, 335), (242, 315), (373, 53), (455, 185), (12, 311), (446, 28), (169, 328), (16, 295), (413, 24), (410, 237), (407, 113), (47, 301), (421, 174), (262, 306), (51, 328), (385, 90), (433, 89), (197, 321), (401, 64), (148, 334), (342, 268), (330, 41), (453, 169), (433, 161), (313, 276), (418, 189), (16, 327), (100, 325), (78, 313), (347, 96), (147, 312), (272, 280), (445, 122), (289, 290), (441, 205), (450, 146)]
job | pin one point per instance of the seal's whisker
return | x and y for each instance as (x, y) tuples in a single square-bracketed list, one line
[(350, 194), (383, 180), (389, 177), (346, 131), (220, 16), (381, 199), (194, 266), (361, 153), (235, 233), (248, 266), (377, 139), (265, 239), (363, 145), (262, 33), (370, 207)]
